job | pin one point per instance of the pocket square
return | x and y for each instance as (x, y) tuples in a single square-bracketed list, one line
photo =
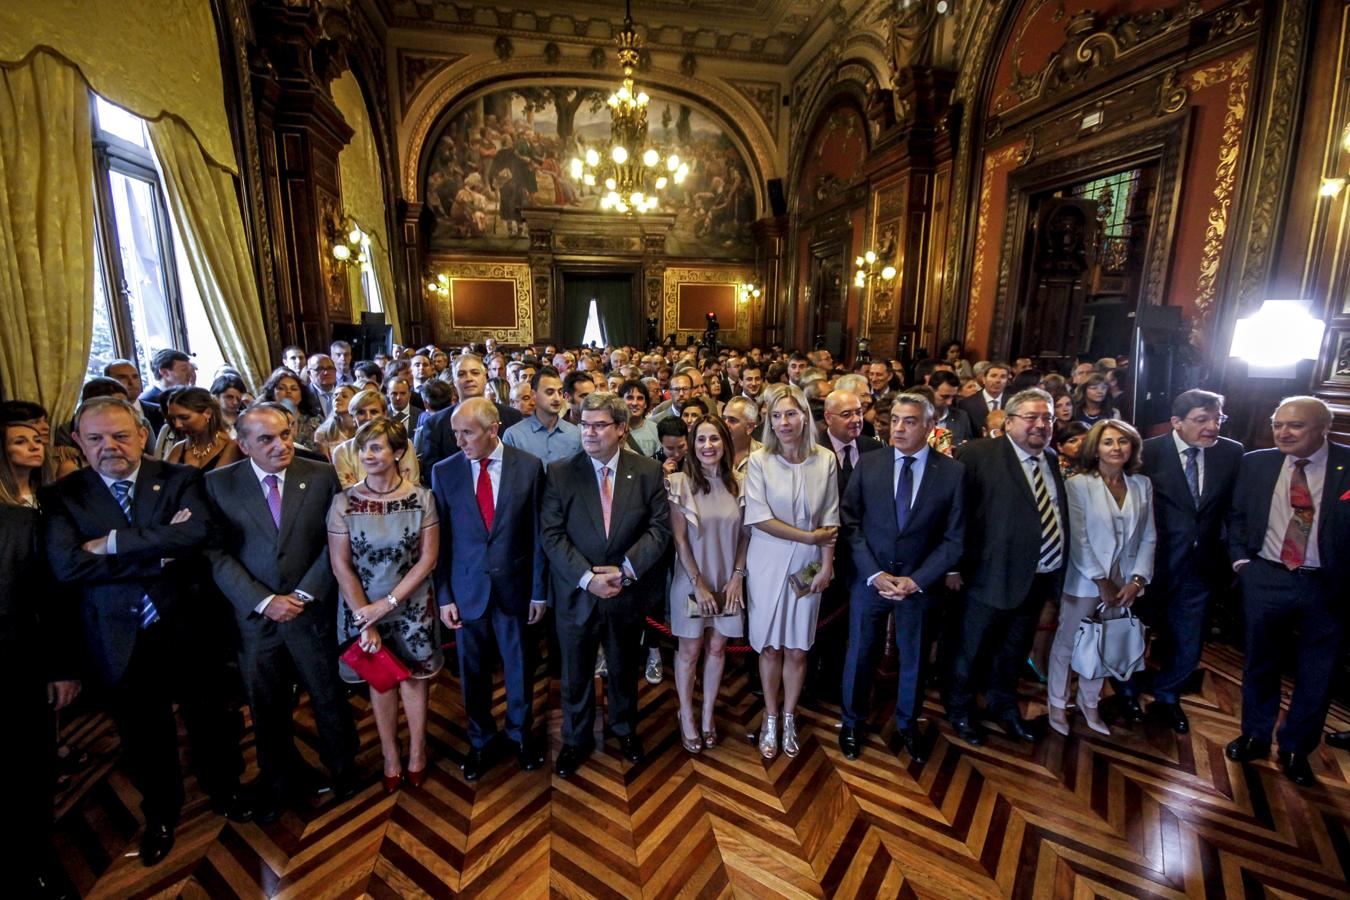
[(1345, 496)]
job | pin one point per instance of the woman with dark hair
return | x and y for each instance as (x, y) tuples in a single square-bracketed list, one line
[(641, 430), (196, 418), (953, 353), (59, 461), (1092, 400), (289, 389), (707, 588), (1068, 442), (229, 390)]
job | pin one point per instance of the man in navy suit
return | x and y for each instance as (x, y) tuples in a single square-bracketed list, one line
[(1193, 471), (113, 531), (903, 516), (1288, 531), (491, 578)]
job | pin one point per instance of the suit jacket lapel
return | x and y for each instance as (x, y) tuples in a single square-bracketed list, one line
[(1258, 523), (251, 493), (931, 470), (589, 486), (103, 505), (1333, 485), (502, 487), (145, 499), (292, 498), (623, 486), (1018, 470)]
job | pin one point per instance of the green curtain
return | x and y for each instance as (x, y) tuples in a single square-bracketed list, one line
[(46, 233), (613, 295)]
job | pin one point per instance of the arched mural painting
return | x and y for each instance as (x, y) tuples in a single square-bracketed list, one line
[(509, 149)]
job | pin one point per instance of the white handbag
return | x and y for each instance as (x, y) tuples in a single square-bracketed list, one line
[(1109, 645)]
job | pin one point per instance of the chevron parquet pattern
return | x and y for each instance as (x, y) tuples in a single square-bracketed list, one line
[(1144, 813)]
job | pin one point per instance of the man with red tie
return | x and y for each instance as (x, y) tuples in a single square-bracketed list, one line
[(1288, 529), (491, 578)]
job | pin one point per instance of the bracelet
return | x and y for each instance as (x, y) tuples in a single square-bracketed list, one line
[(744, 573), (393, 601)]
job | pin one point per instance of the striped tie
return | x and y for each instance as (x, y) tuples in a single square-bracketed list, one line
[(1052, 550), (122, 491)]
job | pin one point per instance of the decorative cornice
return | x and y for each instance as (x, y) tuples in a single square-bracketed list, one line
[(765, 96), (418, 67)]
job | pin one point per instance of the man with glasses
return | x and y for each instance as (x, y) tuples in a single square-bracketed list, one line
[(682, 389), (1193, 470), (323, 378), (1017, 541), (605, 528), (741, 415)]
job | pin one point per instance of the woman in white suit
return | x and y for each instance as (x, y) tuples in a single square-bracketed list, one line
[(1110, 553)]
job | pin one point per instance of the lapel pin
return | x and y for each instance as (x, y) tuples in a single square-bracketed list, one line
[(154, 487), (302, 485)]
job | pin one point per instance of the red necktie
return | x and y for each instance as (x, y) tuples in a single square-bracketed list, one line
[(1295, 547), (485, 505)]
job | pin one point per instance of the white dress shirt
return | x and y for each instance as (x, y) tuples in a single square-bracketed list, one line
[(839, 446), (1182, 447), (494, 472), (1047, 475), (989, 400), (1281, 510)]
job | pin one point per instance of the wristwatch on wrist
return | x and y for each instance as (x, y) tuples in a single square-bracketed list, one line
[(393, 601), (744, 573), (1139, 580), (626, 581)]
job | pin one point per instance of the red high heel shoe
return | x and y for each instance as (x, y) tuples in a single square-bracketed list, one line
[(391, 782), (416, 778)]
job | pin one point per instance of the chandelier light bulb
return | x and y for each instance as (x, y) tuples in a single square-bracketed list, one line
[(355, 235), (588, 179), (592, 157), (661, 183), (614, 100), (341, 253), (858, 262), (650, 158), (576, 168), (621, 206), (888, 273), (642, 98), (619, 154), (672, 163), (870, 256), (610, 184), (636, 198), (605, 202)]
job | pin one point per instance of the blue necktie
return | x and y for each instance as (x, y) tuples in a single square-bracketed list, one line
[(904, 491), (1193, 473), (122, 491)]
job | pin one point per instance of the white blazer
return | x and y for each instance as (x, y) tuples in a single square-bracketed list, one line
[(1093, 546)]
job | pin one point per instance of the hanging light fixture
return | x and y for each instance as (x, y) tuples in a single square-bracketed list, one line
[(439, 285), (632, 174), (871, 266), (348, 242)]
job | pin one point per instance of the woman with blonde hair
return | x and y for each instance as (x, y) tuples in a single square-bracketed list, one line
[(339, 426), (792, 504), (1111, 544), (365, 407)]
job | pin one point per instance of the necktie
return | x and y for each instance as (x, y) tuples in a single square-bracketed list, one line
[(993, 404), (485, 505), (1295, 547), (606, 496), (1193, 473), (274, 499), (847, 467), (122, 491), (904, 491), (1051, 551)]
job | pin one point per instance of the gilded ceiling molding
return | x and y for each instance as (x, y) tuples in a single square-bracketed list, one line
[(851, 72), (416, 68), (765, 96), (727, 106)]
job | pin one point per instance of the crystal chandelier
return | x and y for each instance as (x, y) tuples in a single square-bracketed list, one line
[(633, 174)]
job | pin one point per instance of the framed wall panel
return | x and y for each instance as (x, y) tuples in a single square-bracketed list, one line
[(485, 299)]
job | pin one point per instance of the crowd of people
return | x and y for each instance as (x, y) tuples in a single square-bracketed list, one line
[(169, 539)]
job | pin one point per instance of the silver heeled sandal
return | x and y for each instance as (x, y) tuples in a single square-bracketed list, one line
[(768, 737), (790, 745)]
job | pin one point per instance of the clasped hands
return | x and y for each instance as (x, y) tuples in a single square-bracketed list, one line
[(606, 581), (895, 587), (1115, 597), (99, 545), (733, 591)]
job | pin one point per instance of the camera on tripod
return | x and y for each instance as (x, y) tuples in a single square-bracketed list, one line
[(710, 332)]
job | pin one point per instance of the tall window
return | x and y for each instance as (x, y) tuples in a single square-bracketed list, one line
[(144, 297), (370, 285), (594, 335)]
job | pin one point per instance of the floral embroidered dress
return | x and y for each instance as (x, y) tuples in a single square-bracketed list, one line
[(385, 532)]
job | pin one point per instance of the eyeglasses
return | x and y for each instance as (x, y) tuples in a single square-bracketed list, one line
[(323, 368), (1033, 419), (595, 426), (1206, 420)]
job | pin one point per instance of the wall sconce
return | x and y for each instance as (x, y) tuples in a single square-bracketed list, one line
[(349, 243), (1333, 185), (440, 285), (1275, 338), (746, 292), (871, 266)]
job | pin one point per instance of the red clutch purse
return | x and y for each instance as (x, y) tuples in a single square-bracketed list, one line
[(381, 670)]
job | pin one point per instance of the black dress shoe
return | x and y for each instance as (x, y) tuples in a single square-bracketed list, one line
[(267, 808), (1247, 748), (529, 755), (631, 748), (1171, 715), (848, 742), (912, 741), (346, 786), (1338, 739), (570, 758), (479, 760), (1296, 768), (155, 843), (1017, 727), (1133, 712), (236, 805), (968, 731)]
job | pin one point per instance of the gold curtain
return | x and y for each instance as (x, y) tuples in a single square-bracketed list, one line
[(204, 204), (46, 232)]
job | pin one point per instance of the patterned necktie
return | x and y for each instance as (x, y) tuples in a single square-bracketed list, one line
[(993, 404), (1193, 473), (1051, 550), (274, 498), (122, 491), (904, 492), (847, 467), (606, 496), (485, 505), (1295, 547)]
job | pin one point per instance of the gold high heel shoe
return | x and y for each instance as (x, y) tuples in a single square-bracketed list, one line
[(790, 745), (768, 737)]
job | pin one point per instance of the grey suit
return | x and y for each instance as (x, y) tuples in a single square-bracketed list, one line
[(254, 560)]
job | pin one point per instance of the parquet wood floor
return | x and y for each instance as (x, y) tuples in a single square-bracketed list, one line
[(1144, 813)]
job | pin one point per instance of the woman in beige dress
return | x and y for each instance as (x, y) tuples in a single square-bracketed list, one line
[(711, 543), (368, 406), (792, 502)]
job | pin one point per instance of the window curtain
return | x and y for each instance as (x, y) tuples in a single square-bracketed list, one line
[(613, 301), (204, 203), (46, 233)]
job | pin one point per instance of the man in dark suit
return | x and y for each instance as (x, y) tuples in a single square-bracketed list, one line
[(270, 513), (1017, 534), (172, 368), (605, 526), (491, 577), (1192, 469), (979, 406), (398, 391), (113, 530), (946, 389), (1288, 530), (126, 372), (904, 520), (435, 439)]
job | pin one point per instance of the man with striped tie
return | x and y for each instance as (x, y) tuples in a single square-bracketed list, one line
[(113, 531), (1017, 533)]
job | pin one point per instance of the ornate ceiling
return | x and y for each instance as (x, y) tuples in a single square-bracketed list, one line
[(760, 30)]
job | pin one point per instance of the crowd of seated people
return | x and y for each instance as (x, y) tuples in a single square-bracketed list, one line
[(972, 513)]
